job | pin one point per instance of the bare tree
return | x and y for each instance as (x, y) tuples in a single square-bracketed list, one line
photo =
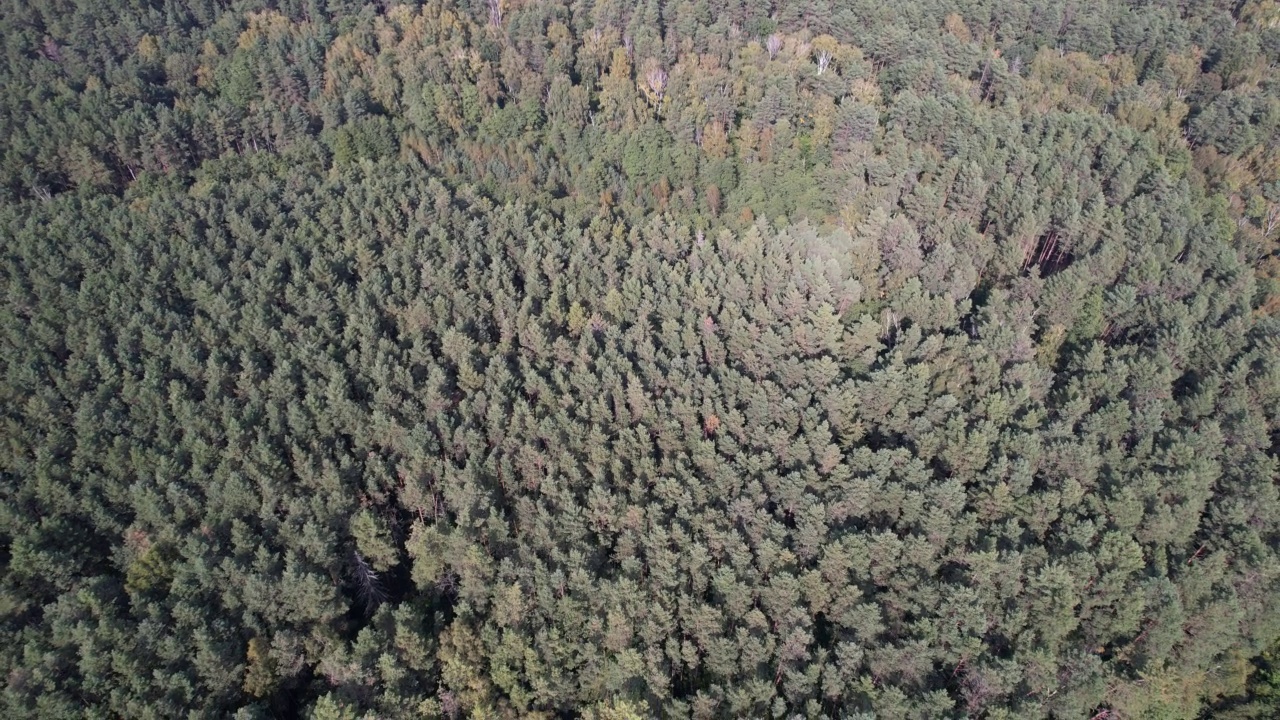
[(495, 12), (824, 59), (773, 44), (1271, 215), (368, 584), (657, 79)]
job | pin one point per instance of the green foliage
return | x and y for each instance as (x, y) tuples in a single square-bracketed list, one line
[(152, 570), (329, 707), (373, 540), (516, 360), (260, 675)]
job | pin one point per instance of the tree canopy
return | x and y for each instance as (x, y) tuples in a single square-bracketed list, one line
[(691, 359)]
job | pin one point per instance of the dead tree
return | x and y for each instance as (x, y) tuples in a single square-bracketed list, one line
[(657, 79), (773, 44), (368, 585), (824, 60)]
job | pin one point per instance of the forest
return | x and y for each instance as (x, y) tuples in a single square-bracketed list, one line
[(622, 359)]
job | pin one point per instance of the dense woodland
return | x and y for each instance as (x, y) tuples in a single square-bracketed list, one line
[(638, 358)]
